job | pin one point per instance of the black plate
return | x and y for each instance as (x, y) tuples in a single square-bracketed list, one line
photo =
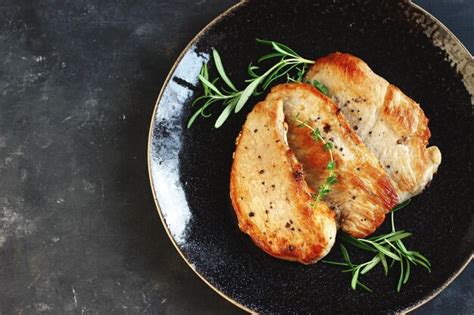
[(189, 168)]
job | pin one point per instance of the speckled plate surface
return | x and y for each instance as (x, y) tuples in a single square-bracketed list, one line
[(189, 168)]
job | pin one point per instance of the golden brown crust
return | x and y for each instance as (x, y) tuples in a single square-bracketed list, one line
[(404, 115), (391, 124), (269, 193), (363, 193)]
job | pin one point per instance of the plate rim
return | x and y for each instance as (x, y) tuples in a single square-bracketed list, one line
[(149, 146), (214, 21)]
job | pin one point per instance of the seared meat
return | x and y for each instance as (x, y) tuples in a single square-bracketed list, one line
[(269, 193), (363, 193), (391, 124)]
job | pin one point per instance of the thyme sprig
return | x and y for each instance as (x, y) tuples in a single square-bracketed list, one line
[(384, 247), (234, 99), (325, 188)]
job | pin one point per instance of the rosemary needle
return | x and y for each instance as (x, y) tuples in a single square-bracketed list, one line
[(385, 247), (234, 99)]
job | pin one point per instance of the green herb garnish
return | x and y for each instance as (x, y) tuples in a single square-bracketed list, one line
[(325, 188), (213, 94), (299, 75), (384, 247), (321, 87), (234, 99)]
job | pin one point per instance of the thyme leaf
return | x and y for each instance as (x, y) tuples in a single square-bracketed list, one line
[(325, 188), (385, 247)]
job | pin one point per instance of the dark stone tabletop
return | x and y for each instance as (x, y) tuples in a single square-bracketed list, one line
[(79, 232)]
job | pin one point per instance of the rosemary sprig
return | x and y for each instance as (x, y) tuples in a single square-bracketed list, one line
[(299, 75), (213, 94), (353, 268), (234, 99), (324, 189), (401, 205), (385, 247)]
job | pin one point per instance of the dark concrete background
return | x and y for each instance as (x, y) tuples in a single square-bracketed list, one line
[(79, 231)]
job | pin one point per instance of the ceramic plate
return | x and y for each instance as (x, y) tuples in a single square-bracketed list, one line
[(189, 168)]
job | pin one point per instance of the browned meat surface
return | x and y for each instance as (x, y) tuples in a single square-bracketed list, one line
[(390, 124), (363, 193), (269, 193)]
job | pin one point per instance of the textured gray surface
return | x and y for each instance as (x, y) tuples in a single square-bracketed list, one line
[(78, 227)]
